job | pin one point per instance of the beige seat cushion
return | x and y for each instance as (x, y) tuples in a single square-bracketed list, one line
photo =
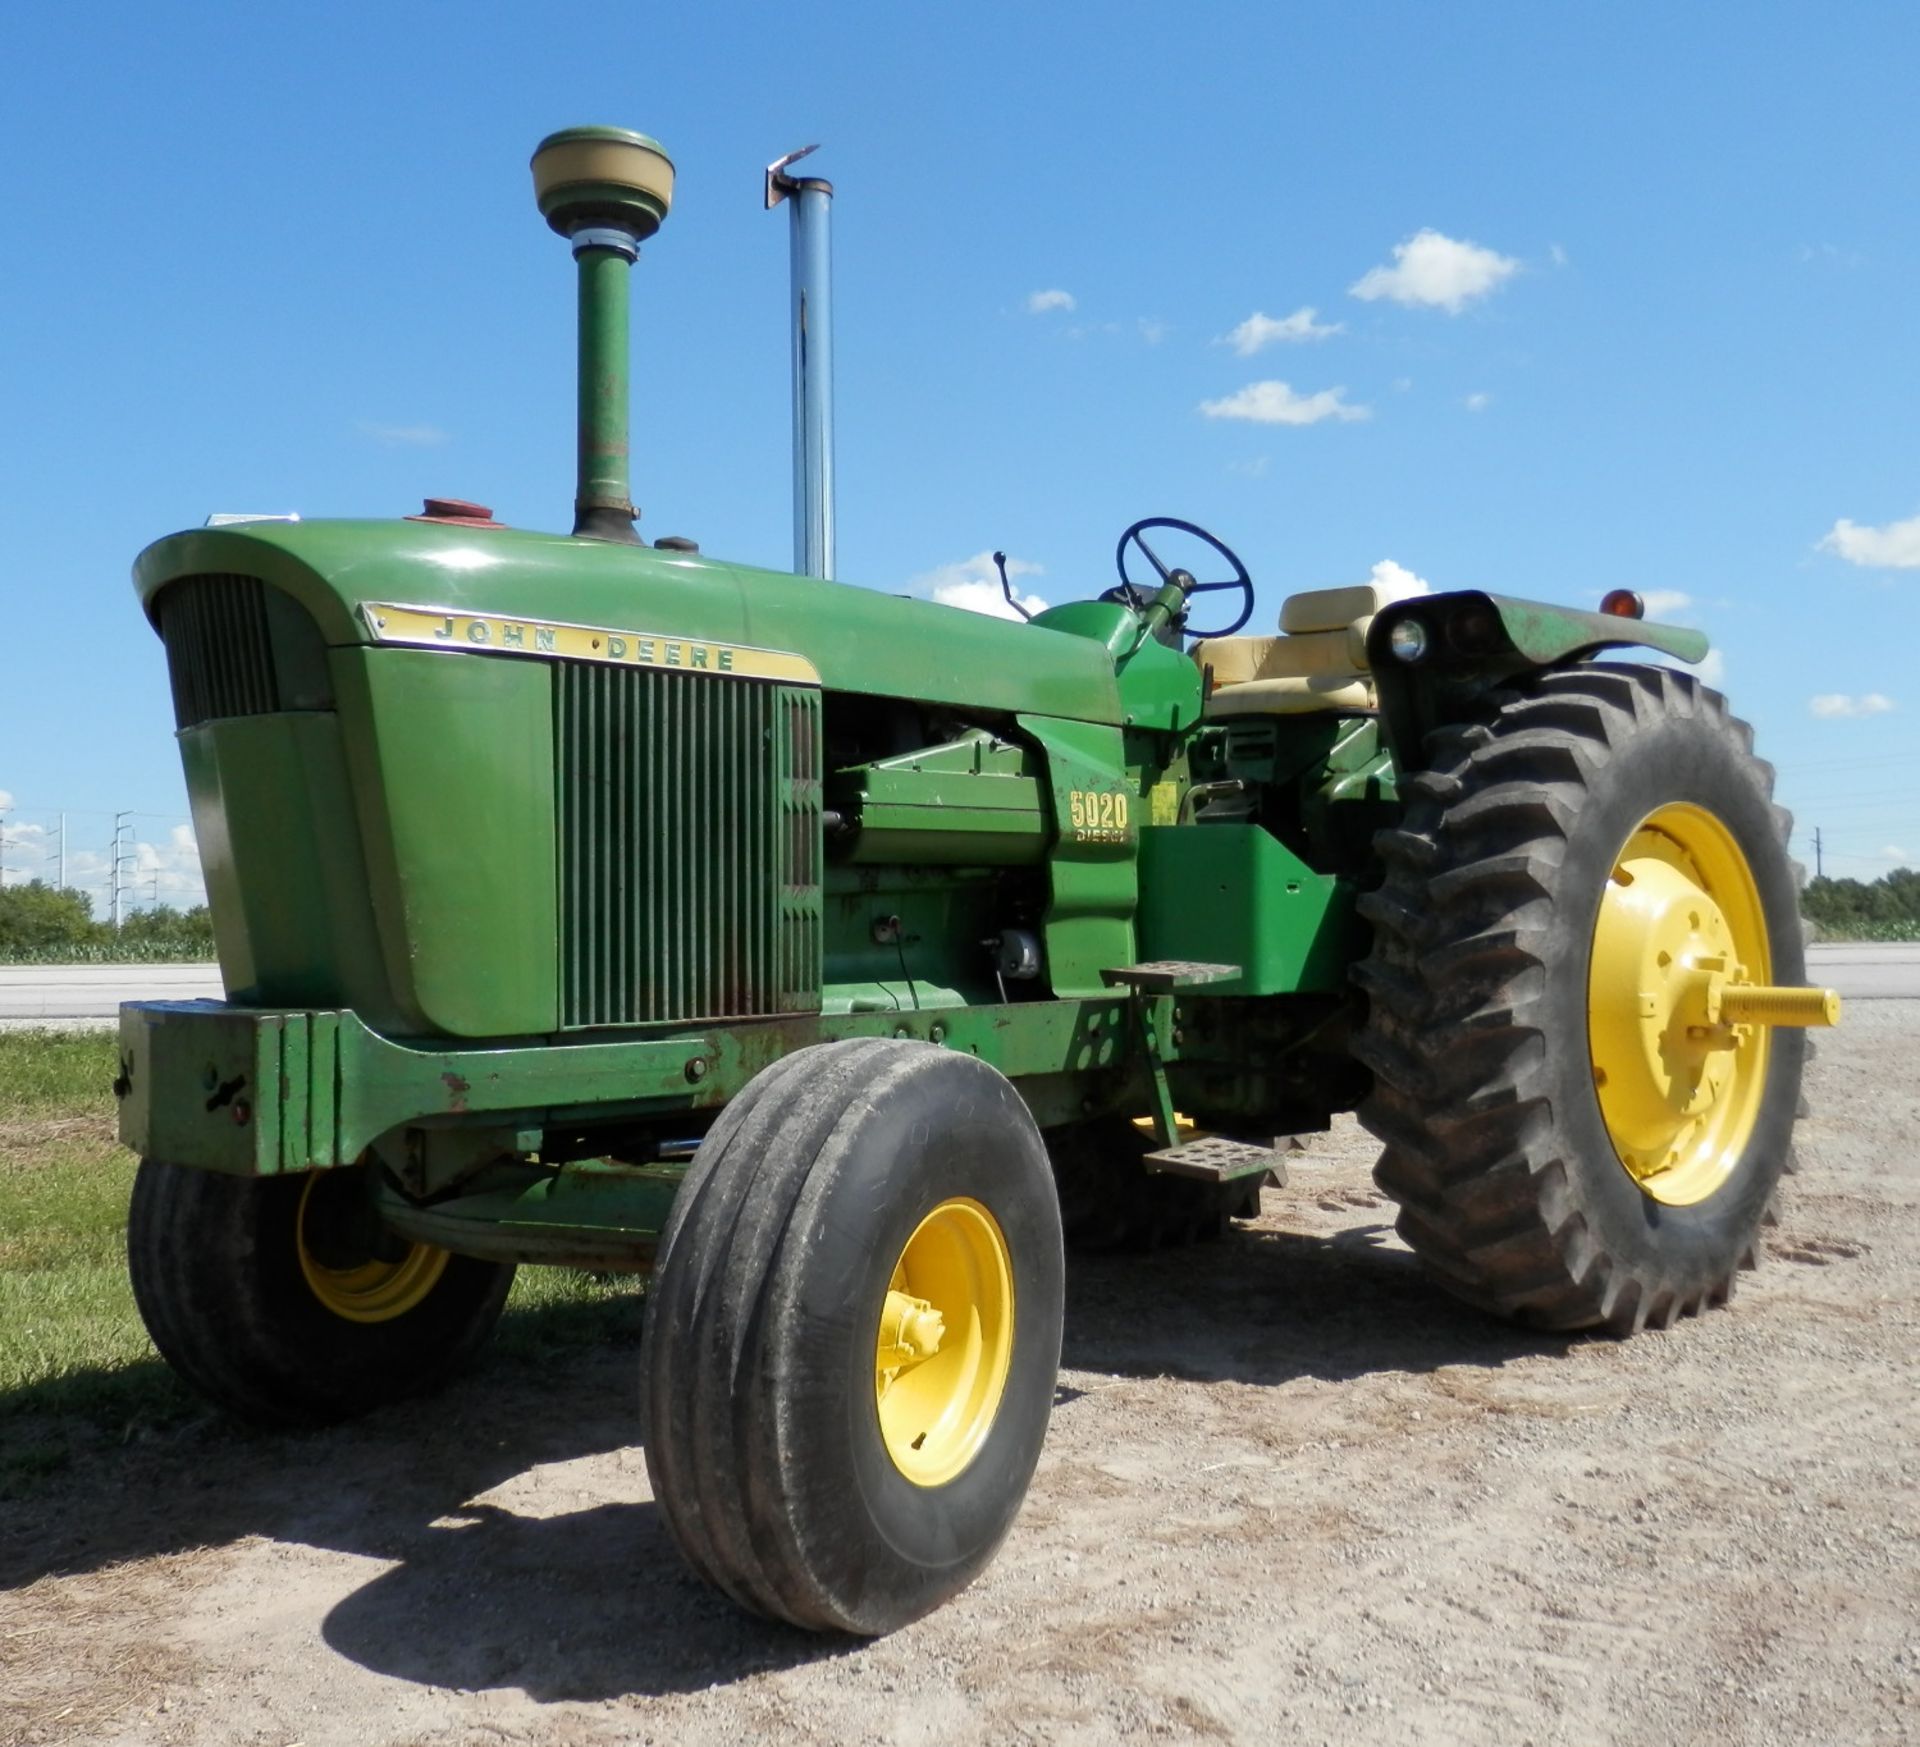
[(1330, 609), (1290, 696), (1320, 664)]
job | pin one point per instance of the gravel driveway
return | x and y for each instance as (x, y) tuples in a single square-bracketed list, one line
[(1291, 1493)]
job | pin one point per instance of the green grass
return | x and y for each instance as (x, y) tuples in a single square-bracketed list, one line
[(1902, 930), (133, 952), (77, 1371)]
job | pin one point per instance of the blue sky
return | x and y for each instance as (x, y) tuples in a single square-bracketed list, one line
[(1661, 334)]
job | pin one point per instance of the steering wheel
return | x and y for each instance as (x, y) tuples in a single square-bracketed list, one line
[(1138, 594)]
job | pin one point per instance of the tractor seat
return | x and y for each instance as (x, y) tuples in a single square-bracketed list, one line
[(1319, 663)]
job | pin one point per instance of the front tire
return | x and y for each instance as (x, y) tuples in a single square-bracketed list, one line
[(281, 1300), (1566, 1147), (853, 1335)]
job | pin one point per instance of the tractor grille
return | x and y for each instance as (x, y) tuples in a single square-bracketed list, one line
[(689, 846), (219, 653)]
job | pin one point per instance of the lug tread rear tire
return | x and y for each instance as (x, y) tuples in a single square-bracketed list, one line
[(1462, 987)]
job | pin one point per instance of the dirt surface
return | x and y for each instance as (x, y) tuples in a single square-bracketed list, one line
[(1291, 1493)]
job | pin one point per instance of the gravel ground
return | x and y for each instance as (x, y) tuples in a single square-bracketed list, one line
[(1291, 1493)]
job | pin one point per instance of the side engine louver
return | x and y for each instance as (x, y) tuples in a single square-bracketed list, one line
[(689, 852), (219, 649)]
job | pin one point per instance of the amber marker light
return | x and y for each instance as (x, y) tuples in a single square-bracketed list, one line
[(1623, 603)]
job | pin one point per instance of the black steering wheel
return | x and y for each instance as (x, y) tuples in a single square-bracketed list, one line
[(1138, 594)]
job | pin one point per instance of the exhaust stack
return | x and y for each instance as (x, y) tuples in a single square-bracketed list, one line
[(606, 190), (811, 204)]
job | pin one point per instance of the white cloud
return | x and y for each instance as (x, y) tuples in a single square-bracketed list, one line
[(974, 584), (1259, 331), (1398, 582), (1899, 857), (1256, 468), (6, 797), (1663, 603), (404, 436), (1153, 332), (1040, 302), (1436, 271), (1274, 403), (1894, 547), (1711, 668), (985, 597), (1478, 401), (1841, 704), (1556, 254)]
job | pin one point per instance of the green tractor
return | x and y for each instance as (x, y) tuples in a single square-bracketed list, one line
[(833, 956)]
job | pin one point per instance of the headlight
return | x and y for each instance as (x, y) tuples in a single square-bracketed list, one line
[(1408, 640)]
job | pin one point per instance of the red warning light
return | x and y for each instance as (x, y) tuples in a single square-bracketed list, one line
[(1623, 603)]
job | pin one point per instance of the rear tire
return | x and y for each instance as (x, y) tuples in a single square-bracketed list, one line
[(762, 1400), (279, 1299), (1484, 1032)]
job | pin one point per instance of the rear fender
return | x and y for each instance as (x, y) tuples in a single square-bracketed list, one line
[(1476, 641)]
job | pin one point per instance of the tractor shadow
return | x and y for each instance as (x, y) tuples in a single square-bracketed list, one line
[(1266, 1307), (565, 1604), (588, 1603)]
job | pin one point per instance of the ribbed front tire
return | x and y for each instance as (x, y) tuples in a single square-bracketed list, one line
[(1510, 1186), (284, 1307), (785, 1472)]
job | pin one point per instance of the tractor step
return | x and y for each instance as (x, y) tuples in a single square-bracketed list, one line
[(1213, 1158), (1162, 976)]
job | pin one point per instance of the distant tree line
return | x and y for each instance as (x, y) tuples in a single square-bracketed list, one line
[(1884, 909), (43, 924)]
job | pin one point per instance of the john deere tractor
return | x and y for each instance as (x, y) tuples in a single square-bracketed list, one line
[(827, 955)]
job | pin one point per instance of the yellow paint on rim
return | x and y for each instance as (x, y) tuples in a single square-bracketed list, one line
[(1681, 926), (944, 1343), (370, 1291)]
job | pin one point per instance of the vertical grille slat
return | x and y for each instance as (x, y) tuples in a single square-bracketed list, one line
[(219, 651), (689, 812)]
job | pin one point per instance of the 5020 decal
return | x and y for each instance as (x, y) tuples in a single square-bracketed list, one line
[(1097, 816)]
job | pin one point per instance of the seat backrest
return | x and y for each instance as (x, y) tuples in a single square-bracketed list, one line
[(1320, 663)]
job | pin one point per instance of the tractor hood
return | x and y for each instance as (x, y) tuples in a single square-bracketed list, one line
[(481, 582)]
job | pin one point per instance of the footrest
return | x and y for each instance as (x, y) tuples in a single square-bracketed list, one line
[(1164, 975), (1215, 1159)]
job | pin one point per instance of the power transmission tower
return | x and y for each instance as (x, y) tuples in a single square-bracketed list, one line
[(121, 830)]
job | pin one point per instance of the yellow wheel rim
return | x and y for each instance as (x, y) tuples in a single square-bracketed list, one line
[(371, 1290), (1680, 926), (945, 1342)]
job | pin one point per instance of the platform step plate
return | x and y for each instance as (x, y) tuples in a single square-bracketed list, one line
[(1215, 1159), (1164, 975)]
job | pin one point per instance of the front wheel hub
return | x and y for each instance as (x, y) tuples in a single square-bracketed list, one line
[(344, 1265), (945, 1342)]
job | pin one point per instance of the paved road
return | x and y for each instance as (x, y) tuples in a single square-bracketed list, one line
[(90, 994), (1867, 970)]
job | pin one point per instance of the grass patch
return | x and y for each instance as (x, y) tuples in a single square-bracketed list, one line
[(77, 1371), (55, 1073)]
